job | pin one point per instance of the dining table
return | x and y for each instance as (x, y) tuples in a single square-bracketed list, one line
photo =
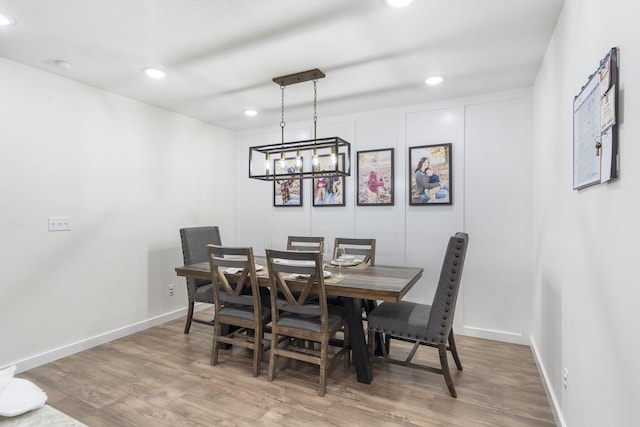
[(354, 284)]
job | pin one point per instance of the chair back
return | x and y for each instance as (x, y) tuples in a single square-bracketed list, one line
[(444, 300), (194, 242), (305, 243), (243, 291), (366, 248), (297, 296)]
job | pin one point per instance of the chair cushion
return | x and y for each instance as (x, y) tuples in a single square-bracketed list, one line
[(243, 311), (204, 293), (402, 319), (310, 323)]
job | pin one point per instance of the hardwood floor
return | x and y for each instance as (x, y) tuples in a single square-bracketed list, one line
[(162, 377)]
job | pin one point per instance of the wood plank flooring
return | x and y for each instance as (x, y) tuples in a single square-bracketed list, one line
[(162, 377)]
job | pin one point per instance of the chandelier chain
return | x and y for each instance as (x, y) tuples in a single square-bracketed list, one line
[(315, 106), (282, 122)]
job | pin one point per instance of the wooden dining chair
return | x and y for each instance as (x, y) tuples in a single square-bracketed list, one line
[(305, 243), (194, 241), (361, 248), (426, 325), (300, 313), (364, 249), (238, 302)]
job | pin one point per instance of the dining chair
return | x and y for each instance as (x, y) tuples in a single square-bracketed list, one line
[(428, 325), (305, 243), (300, 313), (194, 241), (364, 249), (237, 303), (361, 248)]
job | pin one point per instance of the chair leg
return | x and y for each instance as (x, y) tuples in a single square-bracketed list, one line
[(189, 317), (216, 345), (324, 349), (272, 355), (371, 342), (347, 344), (442, 351), (257, 352), (454, 350)]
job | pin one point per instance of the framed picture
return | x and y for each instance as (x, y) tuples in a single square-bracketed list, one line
[(328, 191), (430, 175), (287, 192), (375, 177)]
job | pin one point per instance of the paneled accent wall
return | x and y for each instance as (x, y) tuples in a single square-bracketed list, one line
[(491, 201)]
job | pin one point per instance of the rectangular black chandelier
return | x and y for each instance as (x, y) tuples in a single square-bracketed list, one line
[(282, 161)]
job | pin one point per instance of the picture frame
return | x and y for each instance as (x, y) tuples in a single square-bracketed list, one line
[(430, 175), (329, 191), (375, 177), (287, 192)]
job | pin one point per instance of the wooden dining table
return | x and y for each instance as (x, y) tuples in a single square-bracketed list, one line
[(374, 282)]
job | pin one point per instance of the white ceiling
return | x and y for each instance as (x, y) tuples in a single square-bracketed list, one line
[(222, 54)]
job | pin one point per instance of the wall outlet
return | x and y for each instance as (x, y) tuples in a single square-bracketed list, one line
[(565, 376), (172, 290), (59, 223)]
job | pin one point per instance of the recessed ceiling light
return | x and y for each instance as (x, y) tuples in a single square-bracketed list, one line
[(5, 20), (434, 80), (398, 3), (62, 64), (155, 73), (250, 113)]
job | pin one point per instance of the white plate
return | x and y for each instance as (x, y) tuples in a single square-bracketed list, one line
[(306, 276), (292, 262), (232, 270), (346, 264)]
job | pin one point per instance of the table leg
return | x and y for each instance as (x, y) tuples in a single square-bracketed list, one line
[(359, 350)]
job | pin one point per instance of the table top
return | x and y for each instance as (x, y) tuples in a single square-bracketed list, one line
[(376, 282)]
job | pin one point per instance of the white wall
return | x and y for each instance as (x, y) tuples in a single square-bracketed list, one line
[(129, 175), (586, 249), (491, 200)]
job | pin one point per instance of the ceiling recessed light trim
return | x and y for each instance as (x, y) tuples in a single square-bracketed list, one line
[(155, 73), (6, 20), (434, 80), (62, 64), (250, 112), (398, 3)]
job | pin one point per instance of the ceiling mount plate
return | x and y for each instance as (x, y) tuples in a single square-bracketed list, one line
[(303, 76)]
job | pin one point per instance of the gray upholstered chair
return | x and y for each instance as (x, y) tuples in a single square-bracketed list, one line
[(300, 313), (429, 325), (237, 303), (305, 243), (194, 250)]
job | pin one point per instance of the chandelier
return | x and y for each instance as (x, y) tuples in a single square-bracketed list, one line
[(285, 160)]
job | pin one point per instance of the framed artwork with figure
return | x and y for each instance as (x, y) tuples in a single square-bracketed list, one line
[(430, 175), (375, 177), (329, 190), (287, 192)]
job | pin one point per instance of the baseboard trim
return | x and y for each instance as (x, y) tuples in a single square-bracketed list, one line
[(489, 334), (551, 396), (68, 350)]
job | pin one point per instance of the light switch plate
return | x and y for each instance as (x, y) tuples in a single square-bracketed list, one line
[(59, 223)]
